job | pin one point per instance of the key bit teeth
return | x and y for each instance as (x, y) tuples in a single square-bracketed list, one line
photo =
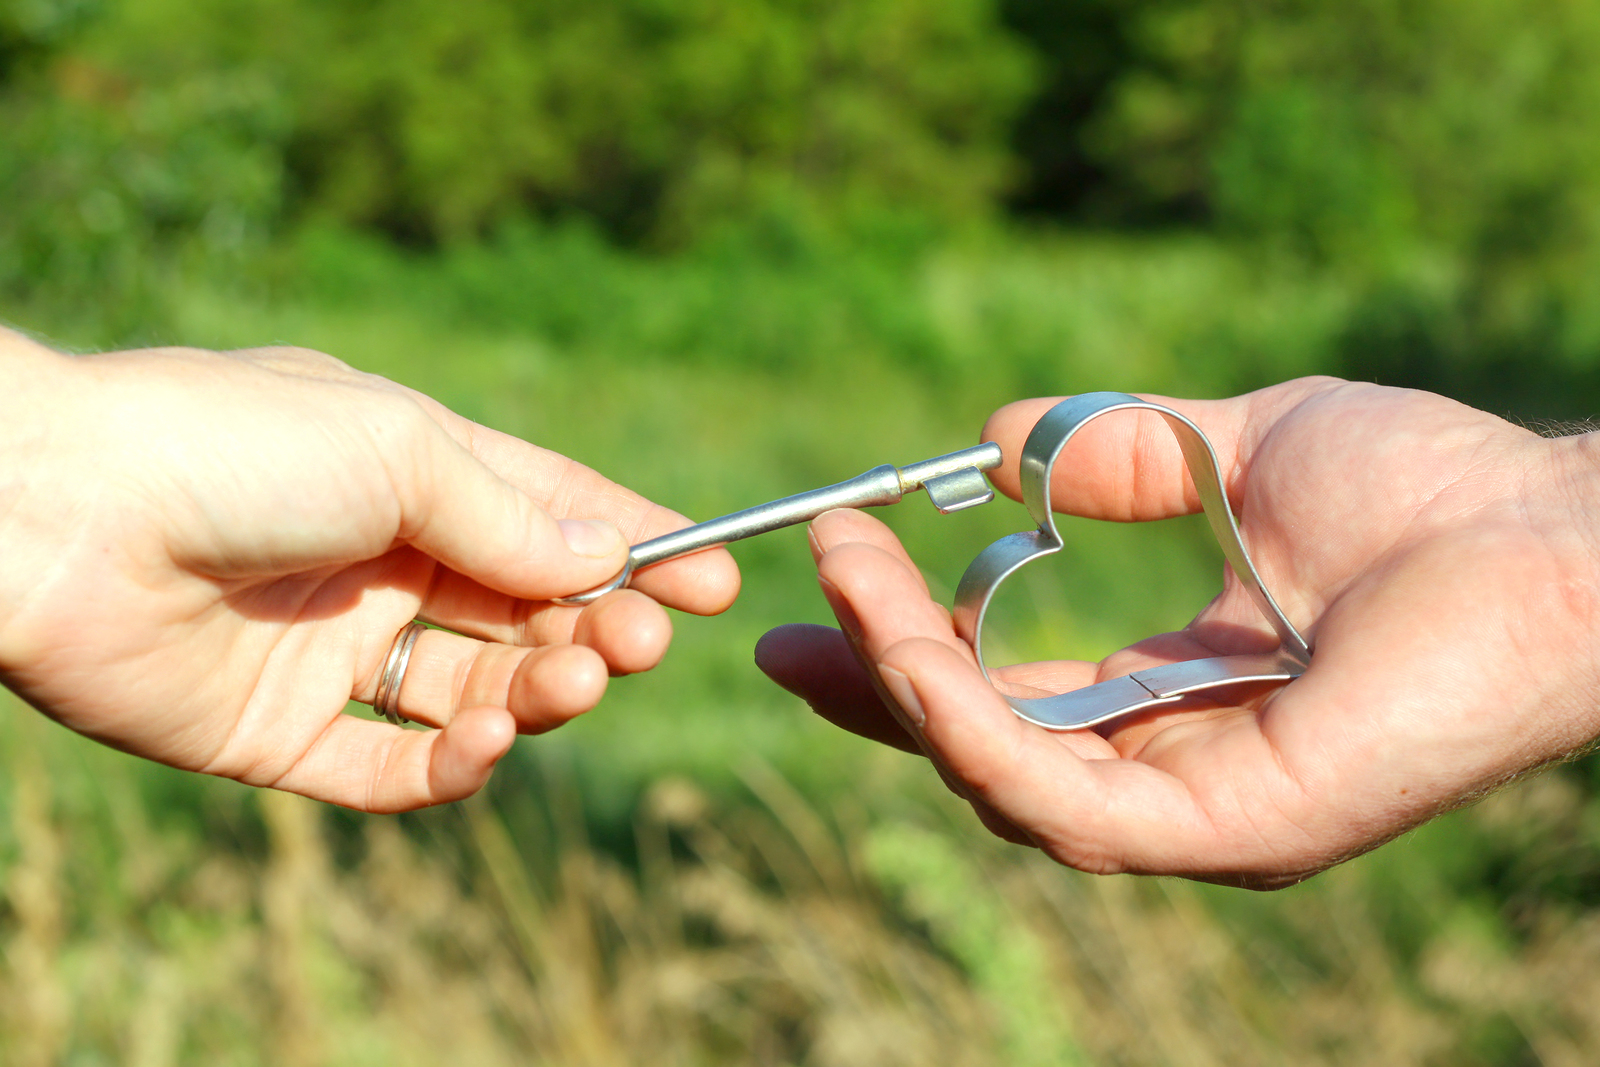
[(958, 490)]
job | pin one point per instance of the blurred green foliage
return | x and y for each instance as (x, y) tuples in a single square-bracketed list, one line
[(1436, 160), (1351, 131), (111, 180), (1441, 154), (657, 120), (723, 248)]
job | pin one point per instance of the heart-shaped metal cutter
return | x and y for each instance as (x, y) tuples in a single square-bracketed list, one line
[(1154, 686)]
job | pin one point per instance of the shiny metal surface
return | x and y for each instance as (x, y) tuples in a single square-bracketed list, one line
[(953, 482), (1155, 686), (386, 701)]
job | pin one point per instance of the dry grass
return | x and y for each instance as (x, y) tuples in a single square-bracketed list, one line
[(755, 931)]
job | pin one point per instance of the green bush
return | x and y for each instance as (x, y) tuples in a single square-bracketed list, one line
[(1441, 154), (1434, 161), (1346, 127), (658, 120), (108, 179)]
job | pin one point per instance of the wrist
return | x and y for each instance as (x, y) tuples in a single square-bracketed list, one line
[(1572, 487), (1564, 505), (36, 384)]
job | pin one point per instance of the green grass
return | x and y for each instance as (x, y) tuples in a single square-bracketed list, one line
[(678, 874)]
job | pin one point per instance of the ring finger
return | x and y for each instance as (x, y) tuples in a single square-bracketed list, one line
[(541, 687)]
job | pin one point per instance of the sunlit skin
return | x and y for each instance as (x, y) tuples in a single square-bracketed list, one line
[(204, 556), (1443, 562)]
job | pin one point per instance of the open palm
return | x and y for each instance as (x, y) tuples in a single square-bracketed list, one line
[(1439, 560)]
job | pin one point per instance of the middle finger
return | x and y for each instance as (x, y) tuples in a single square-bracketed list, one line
[(627, 628)]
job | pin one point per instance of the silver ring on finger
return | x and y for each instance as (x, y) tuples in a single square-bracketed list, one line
[(387, 700)]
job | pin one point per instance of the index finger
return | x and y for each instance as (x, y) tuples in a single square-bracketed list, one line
[(702, 584)]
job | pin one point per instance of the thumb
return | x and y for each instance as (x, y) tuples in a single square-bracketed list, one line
[(1127, 466), (466, 516)]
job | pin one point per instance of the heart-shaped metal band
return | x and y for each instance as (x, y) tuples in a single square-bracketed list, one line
[(1154, 686)]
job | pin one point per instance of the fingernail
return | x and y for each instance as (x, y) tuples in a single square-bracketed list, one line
[(590, 537), (904, 693), (816, 546), (841, 609), (818, 549)]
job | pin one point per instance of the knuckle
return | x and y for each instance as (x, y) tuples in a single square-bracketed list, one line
[(306, 362)]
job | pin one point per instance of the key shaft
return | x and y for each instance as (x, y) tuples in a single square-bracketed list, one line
[(875, 488), (952, 481)]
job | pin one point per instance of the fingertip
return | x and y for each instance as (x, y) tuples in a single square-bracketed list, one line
[(467, 517), (816, 664), (718, 586), (1012, 421), (842, 530), (574, 549), (630, 631), (845, 525), (772, 652), (494, 729), (466, 751), (792, 655), (842, 533), (853, 567), (879, 595), (554, 685), (1009, 427), (706, 583)]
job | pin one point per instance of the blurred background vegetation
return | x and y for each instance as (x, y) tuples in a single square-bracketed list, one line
[(723, 249)]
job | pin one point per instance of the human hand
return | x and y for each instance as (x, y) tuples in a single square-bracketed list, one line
[(204, 556), (1440, 560)]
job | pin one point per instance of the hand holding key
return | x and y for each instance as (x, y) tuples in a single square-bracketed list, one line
[(205, 556)]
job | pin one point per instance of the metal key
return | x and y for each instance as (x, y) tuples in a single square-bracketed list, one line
[(953, 482)]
